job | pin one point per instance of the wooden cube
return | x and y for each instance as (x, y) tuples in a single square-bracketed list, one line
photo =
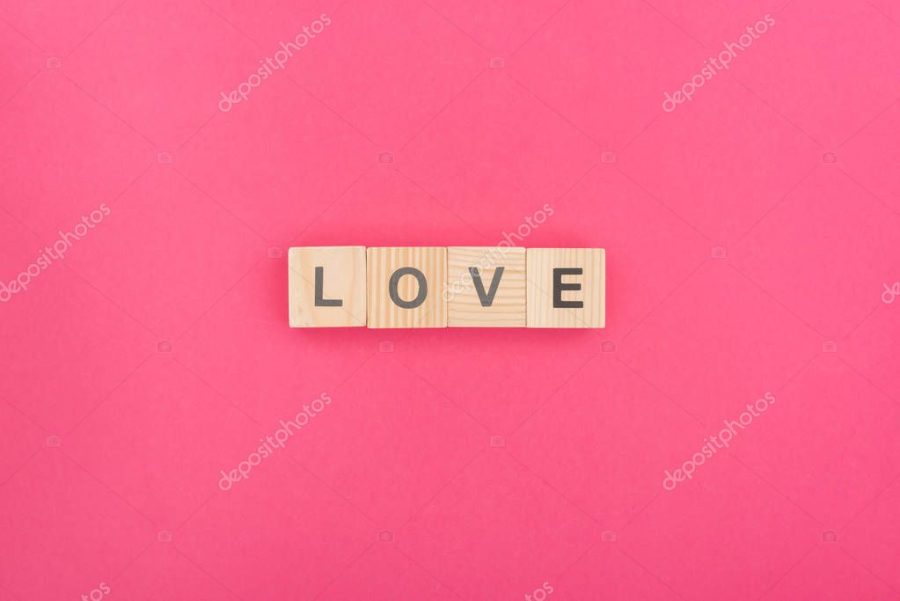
[(406, 287), (485, 287), (327, 286), (566, 287)]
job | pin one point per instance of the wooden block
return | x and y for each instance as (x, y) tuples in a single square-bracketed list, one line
[(494, 296), (406, 287), (327, 286), (566, 287)]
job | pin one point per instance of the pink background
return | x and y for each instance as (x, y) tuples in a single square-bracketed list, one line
[(750, 235)]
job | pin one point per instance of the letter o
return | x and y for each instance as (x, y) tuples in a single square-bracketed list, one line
[(395, 282)]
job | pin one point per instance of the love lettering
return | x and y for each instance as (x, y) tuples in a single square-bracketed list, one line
[(438, 287)]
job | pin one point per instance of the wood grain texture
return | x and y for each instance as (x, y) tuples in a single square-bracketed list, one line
[(465, 309), (343, 277), (381, 265), (539, 272)]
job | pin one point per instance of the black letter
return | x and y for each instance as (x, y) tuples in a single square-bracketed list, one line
[(486, 299), (323, 302), (395, 280), (558, 287)]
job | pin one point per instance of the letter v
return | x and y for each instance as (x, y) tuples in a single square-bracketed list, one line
[(487, 299)]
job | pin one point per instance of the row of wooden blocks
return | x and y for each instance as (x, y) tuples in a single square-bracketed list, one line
[(437, 287)]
